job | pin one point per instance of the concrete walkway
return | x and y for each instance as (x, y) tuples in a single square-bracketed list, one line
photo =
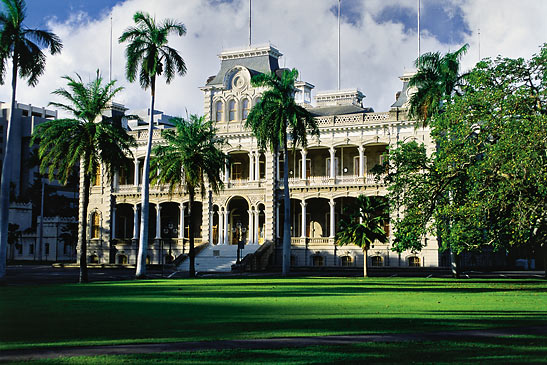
[(268, 343)]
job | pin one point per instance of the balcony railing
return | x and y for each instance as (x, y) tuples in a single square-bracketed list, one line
[(312, 241)]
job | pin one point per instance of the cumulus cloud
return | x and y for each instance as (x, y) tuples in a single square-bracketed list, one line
[(374, 51)]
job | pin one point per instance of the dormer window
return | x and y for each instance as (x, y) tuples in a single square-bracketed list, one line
[(218, 109), (232, 110), (245, 106)]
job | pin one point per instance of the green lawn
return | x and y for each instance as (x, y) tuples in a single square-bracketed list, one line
[(237, 308), (510, 350)]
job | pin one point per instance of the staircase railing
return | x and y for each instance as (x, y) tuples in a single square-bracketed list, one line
[(256, 261)]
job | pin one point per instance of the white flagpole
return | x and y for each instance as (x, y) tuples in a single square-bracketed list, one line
[(110, 64), (250, 7), (338, 44), (419, 45)]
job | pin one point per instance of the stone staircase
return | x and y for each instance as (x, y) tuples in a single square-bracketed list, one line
[(217, 258)]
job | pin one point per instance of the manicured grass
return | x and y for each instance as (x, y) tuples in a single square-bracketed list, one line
[(237, 308), (508, 350)]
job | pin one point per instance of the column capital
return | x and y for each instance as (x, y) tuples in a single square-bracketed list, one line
[(332, 203), (303, 203), (361, 148)]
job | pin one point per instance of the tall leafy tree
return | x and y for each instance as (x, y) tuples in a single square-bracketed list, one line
[(149, 56), (436, 80), (485, 185), (86, 138), (24, 47), (364, 226), (275, 117), (191, 159)]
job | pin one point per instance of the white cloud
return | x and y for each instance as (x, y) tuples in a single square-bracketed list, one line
[(373, 55)]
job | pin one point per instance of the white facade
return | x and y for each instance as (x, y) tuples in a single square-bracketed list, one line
[(352, 136)]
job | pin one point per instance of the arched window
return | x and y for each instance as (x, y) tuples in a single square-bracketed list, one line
[(218, 109), (93, 259), (318, 260), (245, 109), (414, 261), (232, 110), (346, 261), (122, 260), (95, 225), (377, 261)]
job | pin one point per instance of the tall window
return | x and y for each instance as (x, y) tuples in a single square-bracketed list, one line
[(245, 109), (97, 181), (218, 109), (232, 110), (95, 225), (346, 261)]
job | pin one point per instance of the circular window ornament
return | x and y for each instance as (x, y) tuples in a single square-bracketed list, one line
[(238, 82)]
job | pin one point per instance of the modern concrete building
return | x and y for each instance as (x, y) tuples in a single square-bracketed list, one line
[(324, 179), (26, 192)]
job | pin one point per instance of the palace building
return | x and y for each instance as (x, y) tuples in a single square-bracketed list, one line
[(324, 179)]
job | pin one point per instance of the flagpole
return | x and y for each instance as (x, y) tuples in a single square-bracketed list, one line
[(250, 7), (338, 44), (110, 64), (419, 45)]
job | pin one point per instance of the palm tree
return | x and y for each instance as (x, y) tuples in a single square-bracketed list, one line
[(24, 47), (275, 115), (148, 50), (191, 155), (83, 139), (364, 227), (437, 78)]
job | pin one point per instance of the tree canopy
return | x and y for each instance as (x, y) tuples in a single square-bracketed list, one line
[(485, 184)]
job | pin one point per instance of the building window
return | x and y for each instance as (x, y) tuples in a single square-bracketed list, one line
[(245, 109), (47, 249), (122, 260), (232, 110), (377, 261), (219, 111), (237, 169), (95, 225), (93, 259), (318, 260), (414, 261), (346, 261), (67, 249), (31, 249), (97, 180)]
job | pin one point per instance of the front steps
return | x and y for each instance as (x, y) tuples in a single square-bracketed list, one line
[(217, 258)]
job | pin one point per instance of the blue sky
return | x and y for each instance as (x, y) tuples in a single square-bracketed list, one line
[(39, 12)]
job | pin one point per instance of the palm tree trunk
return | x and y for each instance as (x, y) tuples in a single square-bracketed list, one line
[(6, 177), (143, 236), (191, 252), (365, 254), (83, 222), (286, 263)]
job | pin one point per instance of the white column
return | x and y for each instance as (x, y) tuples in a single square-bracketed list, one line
[(277, 220), (303, 204), (331, 223), (220, 227), (250, 233), (251, 166), (211, 215), (181, 220), (226, 174), (277, 162), (136, 174), (303, 175), (158, 221), (135, 222), (332, 162), (257, 166), (113, 225), (361, 161), (226, 227), (257, 215)]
